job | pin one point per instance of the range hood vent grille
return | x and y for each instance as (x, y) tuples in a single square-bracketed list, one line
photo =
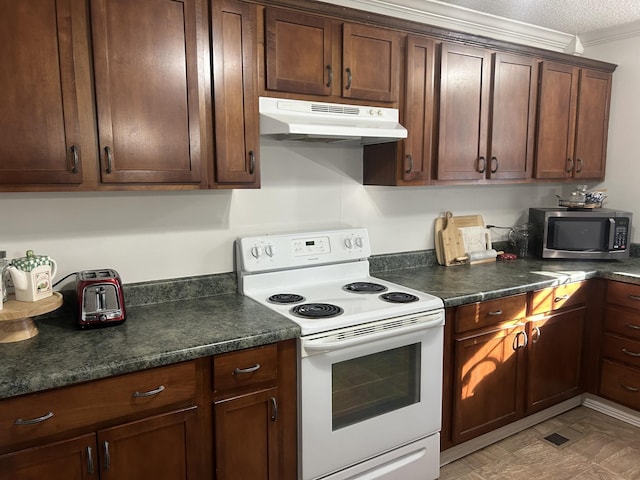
[(332, 108)]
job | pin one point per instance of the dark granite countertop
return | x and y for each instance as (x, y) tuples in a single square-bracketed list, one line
[(205, 317), (153, 335), (461, 284)]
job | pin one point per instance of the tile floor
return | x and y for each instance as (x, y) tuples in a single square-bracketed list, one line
[(599, 448)]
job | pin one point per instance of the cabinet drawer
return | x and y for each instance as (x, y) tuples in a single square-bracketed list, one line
[(491, 312), (244, 368), (622, 322), (554, 298), (79, 406), (621, 384), (621, 349), (624, 294)]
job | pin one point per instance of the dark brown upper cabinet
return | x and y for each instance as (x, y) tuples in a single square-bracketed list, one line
[(146, 76), (298, 52), (487, 114), (413, 156), (303, 55), (40, 139), (237, 140), (573, 122)]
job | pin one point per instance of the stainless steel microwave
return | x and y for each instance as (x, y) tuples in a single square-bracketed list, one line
[(561, 232)]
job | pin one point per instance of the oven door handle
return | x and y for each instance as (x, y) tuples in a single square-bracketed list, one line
[(367, 334)]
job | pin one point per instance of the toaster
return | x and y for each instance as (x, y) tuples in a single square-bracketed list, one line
[(100, 298)]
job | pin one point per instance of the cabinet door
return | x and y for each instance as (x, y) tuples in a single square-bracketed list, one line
[(235, 94), (515, 84), (74, 459), (298, 52), (160, 447), (592, 124), (39, 122), (371, 63), (146, 76), (555, 355), (488, 388), (418, 109), (247, 437), (464, 114), (557, 103)]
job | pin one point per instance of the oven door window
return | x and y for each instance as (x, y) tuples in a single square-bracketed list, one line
[(372, 385)]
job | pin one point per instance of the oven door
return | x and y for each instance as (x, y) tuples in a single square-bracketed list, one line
[(367, 390)]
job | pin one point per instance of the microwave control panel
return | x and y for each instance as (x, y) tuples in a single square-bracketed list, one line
[(620, 234)]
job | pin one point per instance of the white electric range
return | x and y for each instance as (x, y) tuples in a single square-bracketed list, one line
[(370, 354)]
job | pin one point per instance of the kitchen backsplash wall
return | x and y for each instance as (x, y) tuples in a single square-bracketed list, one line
[(150, 236)]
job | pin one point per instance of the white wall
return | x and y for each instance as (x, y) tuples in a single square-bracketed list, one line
[(149, 236), (623, 154)]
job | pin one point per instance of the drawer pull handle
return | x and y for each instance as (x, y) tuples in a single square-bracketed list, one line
[(330, 72), (410, 158), (349, 79), (538, 333), (516, 341), (107, 151), (495, 313), (107, 456), (631, 325), (635, 297), (631, 389), (632, 354), (150, 393), (274, 409), (561, 298), (33, 421), (89, 460), (246, 370)]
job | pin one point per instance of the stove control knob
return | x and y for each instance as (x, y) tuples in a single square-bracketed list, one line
[(256, 251), (270, 250), (348, 243), (359, 242)]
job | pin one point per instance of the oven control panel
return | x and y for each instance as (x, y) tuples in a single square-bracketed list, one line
[(283, 251)]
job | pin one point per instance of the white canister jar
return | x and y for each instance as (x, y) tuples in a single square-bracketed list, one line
[(33, 277)]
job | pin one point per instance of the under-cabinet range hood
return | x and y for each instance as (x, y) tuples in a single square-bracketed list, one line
[(286, 119)]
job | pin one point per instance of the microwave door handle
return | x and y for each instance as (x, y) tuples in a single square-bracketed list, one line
[(612, 232)]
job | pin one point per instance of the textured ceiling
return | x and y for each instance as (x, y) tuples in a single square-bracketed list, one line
[(569, 16)]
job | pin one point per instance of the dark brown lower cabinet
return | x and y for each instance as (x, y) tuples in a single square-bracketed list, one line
[(247, 437), (488, 383), (505, 365), (66, 460), (158, 447), (554, 358)]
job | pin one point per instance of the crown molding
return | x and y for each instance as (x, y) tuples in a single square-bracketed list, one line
[(611, 34), (439, 14)]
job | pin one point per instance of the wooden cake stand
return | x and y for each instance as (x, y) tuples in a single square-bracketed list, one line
[(16, 322)]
